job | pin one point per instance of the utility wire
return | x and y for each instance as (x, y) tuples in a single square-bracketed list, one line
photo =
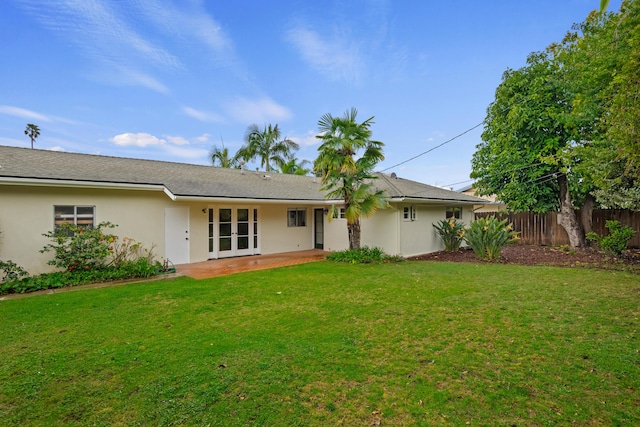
[(433, 148)]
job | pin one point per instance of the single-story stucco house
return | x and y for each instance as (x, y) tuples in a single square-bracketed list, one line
[(194, 213)]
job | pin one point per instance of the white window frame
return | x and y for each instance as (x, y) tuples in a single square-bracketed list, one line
[(73, 218), (341, 213), (456, 210), (297, 217), (409, 213)]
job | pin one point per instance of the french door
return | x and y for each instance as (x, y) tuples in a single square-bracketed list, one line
[(233, 231)]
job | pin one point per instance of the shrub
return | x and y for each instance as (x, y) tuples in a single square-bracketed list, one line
[(617, 239), (363, 255), (487, 237), (86, 255), (10, 271), (140, 268), (451, 232), (80, 248), (127, 251)]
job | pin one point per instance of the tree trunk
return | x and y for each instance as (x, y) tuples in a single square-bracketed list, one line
[(586, 214), (354, 234), (567, 216)]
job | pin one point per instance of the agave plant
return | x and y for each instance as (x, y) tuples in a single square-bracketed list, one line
[(451, 232), (488, 236)]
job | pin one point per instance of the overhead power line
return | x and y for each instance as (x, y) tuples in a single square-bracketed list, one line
[(433, 148)]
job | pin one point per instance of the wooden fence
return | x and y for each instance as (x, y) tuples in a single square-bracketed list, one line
[(543, 229)]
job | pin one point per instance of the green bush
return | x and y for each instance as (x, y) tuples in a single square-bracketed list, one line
[(140, 268), (363, 255), (488, 236), (617, 239), (451, 232), (10, 271), (80, 248), (86, 255)]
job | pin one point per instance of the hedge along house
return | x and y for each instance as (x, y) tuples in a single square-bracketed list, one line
[(193, 213)]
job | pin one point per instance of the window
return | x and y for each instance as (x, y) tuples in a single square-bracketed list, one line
[(454, 212), (79, 215), (339, 214), (409, 213), (297, 218)]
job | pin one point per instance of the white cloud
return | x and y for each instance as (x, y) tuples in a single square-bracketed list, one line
[(107, 34), (187, 21), (307, 140), (56, 148), (202, 139), (259, 111), (175, 147), (143, 139), (177, 140), (23, 113), (203, 116), (338, 58), (136, 140)]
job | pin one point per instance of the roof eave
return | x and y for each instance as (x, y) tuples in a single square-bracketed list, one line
[(48, 182), (217, 199)]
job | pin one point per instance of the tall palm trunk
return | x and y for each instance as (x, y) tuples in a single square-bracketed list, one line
[(354, 234)]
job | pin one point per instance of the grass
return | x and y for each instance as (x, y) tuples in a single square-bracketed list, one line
[(415, 343)]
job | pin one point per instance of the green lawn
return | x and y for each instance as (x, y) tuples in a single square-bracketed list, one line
[(322, 344)]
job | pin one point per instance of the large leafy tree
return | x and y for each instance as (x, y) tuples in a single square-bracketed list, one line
[(564, 128), (33, 132), (603, 71), (527, 131), (267, 145), (346, 160)]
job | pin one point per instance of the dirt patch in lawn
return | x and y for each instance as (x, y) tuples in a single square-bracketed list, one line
[(546, 255)]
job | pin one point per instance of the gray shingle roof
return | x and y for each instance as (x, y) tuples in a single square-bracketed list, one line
[(186, 180)]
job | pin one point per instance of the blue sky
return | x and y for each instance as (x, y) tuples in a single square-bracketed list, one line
[(169, 79)]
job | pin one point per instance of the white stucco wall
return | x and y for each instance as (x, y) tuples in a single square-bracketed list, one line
[(388, 229), (336, 237), (27, 212), (381, 231), (277, 237)]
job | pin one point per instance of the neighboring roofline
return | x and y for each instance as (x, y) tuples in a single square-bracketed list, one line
[(48, 182), (432, 199)]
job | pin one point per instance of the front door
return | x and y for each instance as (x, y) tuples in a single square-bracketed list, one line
[(233, 231), (318, 224)]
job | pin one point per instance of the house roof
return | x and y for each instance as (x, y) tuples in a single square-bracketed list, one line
[(187, 181)]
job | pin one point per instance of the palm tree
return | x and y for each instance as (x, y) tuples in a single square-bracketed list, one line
[(294, 167), (346, 160), (221, 156), (33, 132), (266, 145)]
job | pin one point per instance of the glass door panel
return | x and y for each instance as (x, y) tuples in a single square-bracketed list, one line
[(242, 232), (224, 230)]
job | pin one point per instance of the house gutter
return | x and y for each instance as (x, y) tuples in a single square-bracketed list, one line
[(298, 202), (79, 184)]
